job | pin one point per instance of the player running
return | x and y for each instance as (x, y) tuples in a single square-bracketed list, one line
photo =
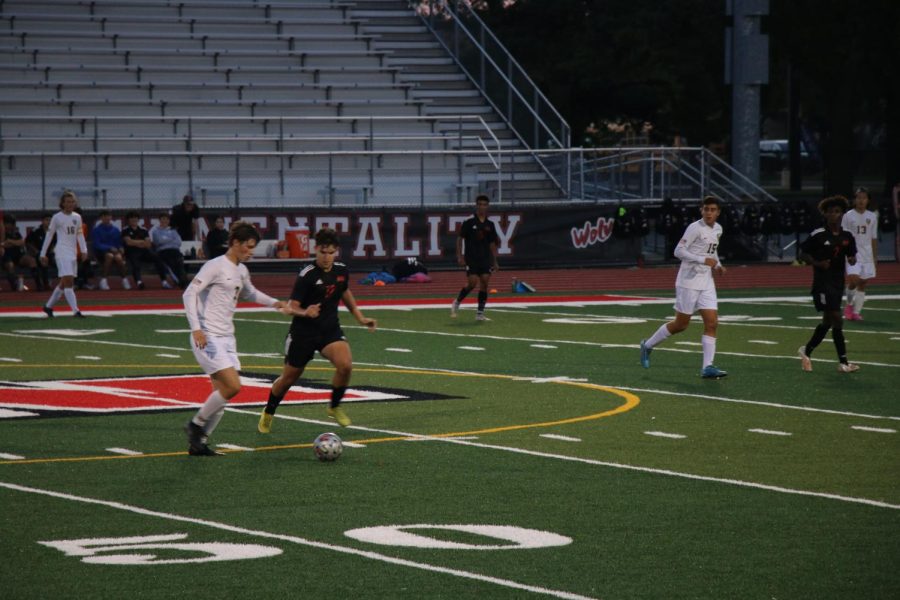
[(695, 289), (210, 301), (826, 249), (863, 226), (66, 227), (314, 303), (479, 235)]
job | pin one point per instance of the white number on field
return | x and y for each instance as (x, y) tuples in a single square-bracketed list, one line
[(143, 550), (515, 537)]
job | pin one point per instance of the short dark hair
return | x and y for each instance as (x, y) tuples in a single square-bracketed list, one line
[(187, 198), (131, 214), (327, 237), (8, 219), (46, 216), (105, 212), (242, 231), (830, 201), (711, 200), (482, 198)]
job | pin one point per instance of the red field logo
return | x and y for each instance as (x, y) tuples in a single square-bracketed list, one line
[(156, 393)]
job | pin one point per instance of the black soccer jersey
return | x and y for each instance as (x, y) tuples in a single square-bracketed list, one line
[(823, 244), (13, 253), (135, 233), (315, 286), (478, 237)]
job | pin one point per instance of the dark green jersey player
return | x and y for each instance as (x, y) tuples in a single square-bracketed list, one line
[(476, 250), (314, 303), (827, 249)]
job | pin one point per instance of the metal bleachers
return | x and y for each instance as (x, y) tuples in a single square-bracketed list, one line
[(327, 100)]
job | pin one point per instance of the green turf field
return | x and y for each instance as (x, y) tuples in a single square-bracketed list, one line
[(527, 456)]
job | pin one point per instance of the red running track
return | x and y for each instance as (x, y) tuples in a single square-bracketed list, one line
[(447, 283)]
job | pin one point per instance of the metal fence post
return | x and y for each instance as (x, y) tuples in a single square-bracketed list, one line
[(143, 201)]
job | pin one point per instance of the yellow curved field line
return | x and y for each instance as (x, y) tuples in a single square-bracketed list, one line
[(631, 401)]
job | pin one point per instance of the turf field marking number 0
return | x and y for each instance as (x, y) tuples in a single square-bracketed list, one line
[(520, 538), (139, 550)]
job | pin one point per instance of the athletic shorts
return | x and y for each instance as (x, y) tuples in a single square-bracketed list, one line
[(688, 301), (66, 265), (828, 299), (220, 354), (300, 350), (479, 268), (864, 270)]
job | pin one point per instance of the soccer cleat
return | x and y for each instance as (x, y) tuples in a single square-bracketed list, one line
[(104, 285), (454, 309), (337, 413), (202, 450), (805, 362), (79, 315), (140, 285), (49, 311), (265, 423), (20, 286), (856, 317), (712, 372), (479, 316), (645, 354), (126, 284), (848, 312), (166, 285), (847, 368), (197, 439)]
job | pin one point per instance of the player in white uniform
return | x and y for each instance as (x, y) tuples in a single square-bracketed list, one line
[(210, 301), (695, 289), (66, 226), (863, 225)]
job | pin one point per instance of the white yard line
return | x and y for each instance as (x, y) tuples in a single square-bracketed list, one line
[(124, 451), (6, 456), (297, 540), (873, 429), (562, 438), (666, 472), (770, 432), (663, 434)]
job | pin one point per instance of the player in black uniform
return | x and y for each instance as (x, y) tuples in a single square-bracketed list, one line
[(314, 304), (826, 249), (15, 255), (480, 259)]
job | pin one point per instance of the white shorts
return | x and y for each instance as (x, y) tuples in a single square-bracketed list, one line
[(863, 270), (688, 301), (66, 265), (220, 353)]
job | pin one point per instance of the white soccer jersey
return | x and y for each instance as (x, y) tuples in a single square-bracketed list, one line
[(69, 235), (864, 227), (698, 243), (212, 297)]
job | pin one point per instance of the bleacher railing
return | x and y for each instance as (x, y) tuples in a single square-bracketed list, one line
[(502, 81), (352, 179)]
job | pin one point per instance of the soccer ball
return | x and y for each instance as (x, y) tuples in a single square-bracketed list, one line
[(328, 447)]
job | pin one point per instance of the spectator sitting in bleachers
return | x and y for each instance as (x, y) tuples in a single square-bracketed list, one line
[(33, 242), (167, 245), (138, 248), (15, 255), (107, 242), (217, 239)]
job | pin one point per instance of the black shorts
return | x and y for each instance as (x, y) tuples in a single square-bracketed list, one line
[(828, 299), (300, 350), (479, 268)]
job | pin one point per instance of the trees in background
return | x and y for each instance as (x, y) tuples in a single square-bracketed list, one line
[(658, 67)]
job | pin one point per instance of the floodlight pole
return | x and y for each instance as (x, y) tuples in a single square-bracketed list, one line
[(746, 70)]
